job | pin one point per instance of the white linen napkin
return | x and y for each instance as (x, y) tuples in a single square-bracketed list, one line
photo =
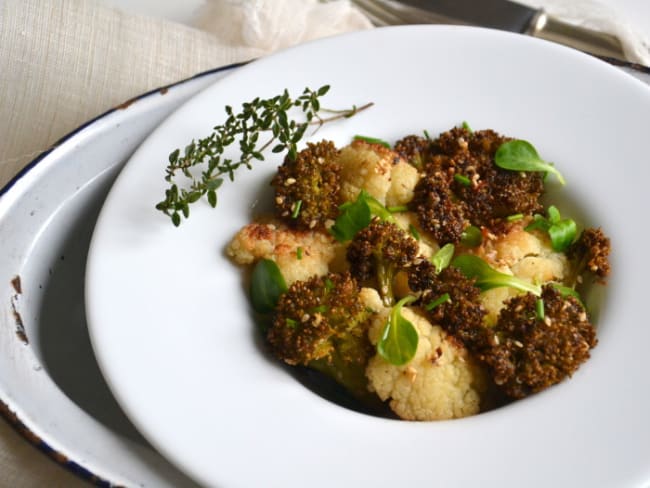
[(601, 17), (64, 62)]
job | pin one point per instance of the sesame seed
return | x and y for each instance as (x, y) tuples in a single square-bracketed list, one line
[(289, 181), (411, 373)]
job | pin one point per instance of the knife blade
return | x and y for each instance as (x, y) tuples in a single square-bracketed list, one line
[(515, 17), (496, 14)]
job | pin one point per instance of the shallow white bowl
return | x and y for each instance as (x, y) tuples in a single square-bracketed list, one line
[(170, 321)]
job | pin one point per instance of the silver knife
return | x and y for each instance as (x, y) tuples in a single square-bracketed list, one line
[(509, 16)]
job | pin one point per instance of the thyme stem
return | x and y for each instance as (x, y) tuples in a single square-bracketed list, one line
[(256, 117)]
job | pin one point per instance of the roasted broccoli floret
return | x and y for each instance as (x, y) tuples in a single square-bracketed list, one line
[(462, 185), (531, 350), (322, 323), (590, 252), (437, 210), (378, 252), (307, 188), (414, 149), (451, 301)]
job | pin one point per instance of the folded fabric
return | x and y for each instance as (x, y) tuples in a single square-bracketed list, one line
[(601, 17), (65, 62)]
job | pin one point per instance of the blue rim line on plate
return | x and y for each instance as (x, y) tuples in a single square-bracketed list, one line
[(5, 410)]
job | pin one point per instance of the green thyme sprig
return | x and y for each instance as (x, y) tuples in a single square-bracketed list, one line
[(259, 116)]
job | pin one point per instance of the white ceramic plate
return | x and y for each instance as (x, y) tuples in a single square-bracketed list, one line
[(51, 389), (170, 322)]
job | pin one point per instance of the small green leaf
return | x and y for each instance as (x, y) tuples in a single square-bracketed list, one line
[(354, 217), (462, 180), (296, 209), (212, 198), (521, 155), (399, 339), (467, 127), (193, 196), (442, 258), (414, 232), (444, 298), (323, 90), (566, 291), (553, 214), (539, 308), (487, 278), (214, 184), (357, 215), (173, 157), (562, 232), (372, 140), (267, 285), (471, 236)]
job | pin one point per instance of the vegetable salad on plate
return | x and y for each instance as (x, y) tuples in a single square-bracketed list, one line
[(425, 275), (427, 278)]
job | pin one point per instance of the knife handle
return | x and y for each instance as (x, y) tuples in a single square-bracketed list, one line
[(550, 28)]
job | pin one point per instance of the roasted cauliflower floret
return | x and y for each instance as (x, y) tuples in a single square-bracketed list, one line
[(299, 254), (366, 166), (526, 255), (404, 177), (441, 381)]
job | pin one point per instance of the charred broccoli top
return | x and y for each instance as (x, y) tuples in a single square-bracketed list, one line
[(461, 314), (414, 149), (590, 252), (378, 252), (438, 211), (530, 353), (307, 188), (322, 323), (462, 180)]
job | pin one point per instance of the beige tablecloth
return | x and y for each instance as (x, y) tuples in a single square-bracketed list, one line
[(63, 62)]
